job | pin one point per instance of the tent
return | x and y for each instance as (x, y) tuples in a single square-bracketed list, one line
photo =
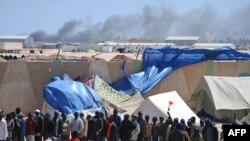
[(113, 99), (223, 96), (70, 96), (159, 63), (158, 105)]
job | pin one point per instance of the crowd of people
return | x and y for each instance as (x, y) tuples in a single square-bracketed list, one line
[(136, 127)]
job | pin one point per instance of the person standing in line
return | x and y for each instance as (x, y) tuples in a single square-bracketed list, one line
[(126, 128), (118, 121), (111, 132), (16, 127), (179, 134), (22, 129), (143, 125), (49, 127), (58, 125), (30, 130), (91, 128), (84, 133), (65, 127), (136, 131), (77, 124), (10, 125), (98, 126), (39, 127), (148, 134), (155, 129), (161, 126), (3, 127), (19, 112), (210, 133)]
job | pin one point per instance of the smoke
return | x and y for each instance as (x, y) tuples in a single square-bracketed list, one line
[(153, 23)]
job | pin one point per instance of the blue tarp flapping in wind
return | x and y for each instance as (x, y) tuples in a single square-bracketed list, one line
[(159, 63), (70, 96)]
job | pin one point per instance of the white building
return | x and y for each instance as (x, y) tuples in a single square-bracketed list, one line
[(26, 41), (213, 45), (182, 41), (128, 47)]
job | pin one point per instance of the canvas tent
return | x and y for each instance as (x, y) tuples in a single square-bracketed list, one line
[(113, 99), (158, 105), (223, 96)]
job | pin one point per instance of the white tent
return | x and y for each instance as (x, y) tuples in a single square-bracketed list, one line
[(223, 96), (157, 105)]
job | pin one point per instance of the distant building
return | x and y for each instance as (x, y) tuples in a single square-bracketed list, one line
[(182, 41), (213, 45), (128, 47), (26, 41)]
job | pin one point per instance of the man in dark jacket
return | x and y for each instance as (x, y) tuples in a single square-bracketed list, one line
[(209, 132), (179, 134), (58, 124), (143, 126), (126, 128), (49, 127), (39, 127), (98, 126)]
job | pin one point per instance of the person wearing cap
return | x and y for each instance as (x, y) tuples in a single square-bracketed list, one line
[(136, 131), (39, 127), (3, 127)]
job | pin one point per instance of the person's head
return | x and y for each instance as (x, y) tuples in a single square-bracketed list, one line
[(183, 121), (18, 110), (8, 116), (134, 117), (81, 115), (47, 116), (115, 111), (88, 117), (140, 114), (193, 119), (111, 119), (168, 121), (147, 118), (64, 117), (74, 134), (37, 112), (189, 123), (30, 115), (154, 119), (56, 114), (126, 117), (161, 119), (97, 114), (176, 120), (1, 114), (76, 114)]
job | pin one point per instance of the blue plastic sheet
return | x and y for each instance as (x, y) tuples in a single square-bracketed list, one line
[(159, 63), (69, 96)]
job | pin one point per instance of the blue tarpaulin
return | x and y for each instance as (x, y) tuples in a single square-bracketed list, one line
[(70, 96), (159, 63)]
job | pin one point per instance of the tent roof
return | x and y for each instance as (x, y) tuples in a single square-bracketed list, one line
[(157, 105), (229, 93)]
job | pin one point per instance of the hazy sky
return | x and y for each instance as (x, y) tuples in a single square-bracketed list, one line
[(28, 16)]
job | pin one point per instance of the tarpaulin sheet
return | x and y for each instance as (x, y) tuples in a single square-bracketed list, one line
[(69, 96), (159, 63)]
